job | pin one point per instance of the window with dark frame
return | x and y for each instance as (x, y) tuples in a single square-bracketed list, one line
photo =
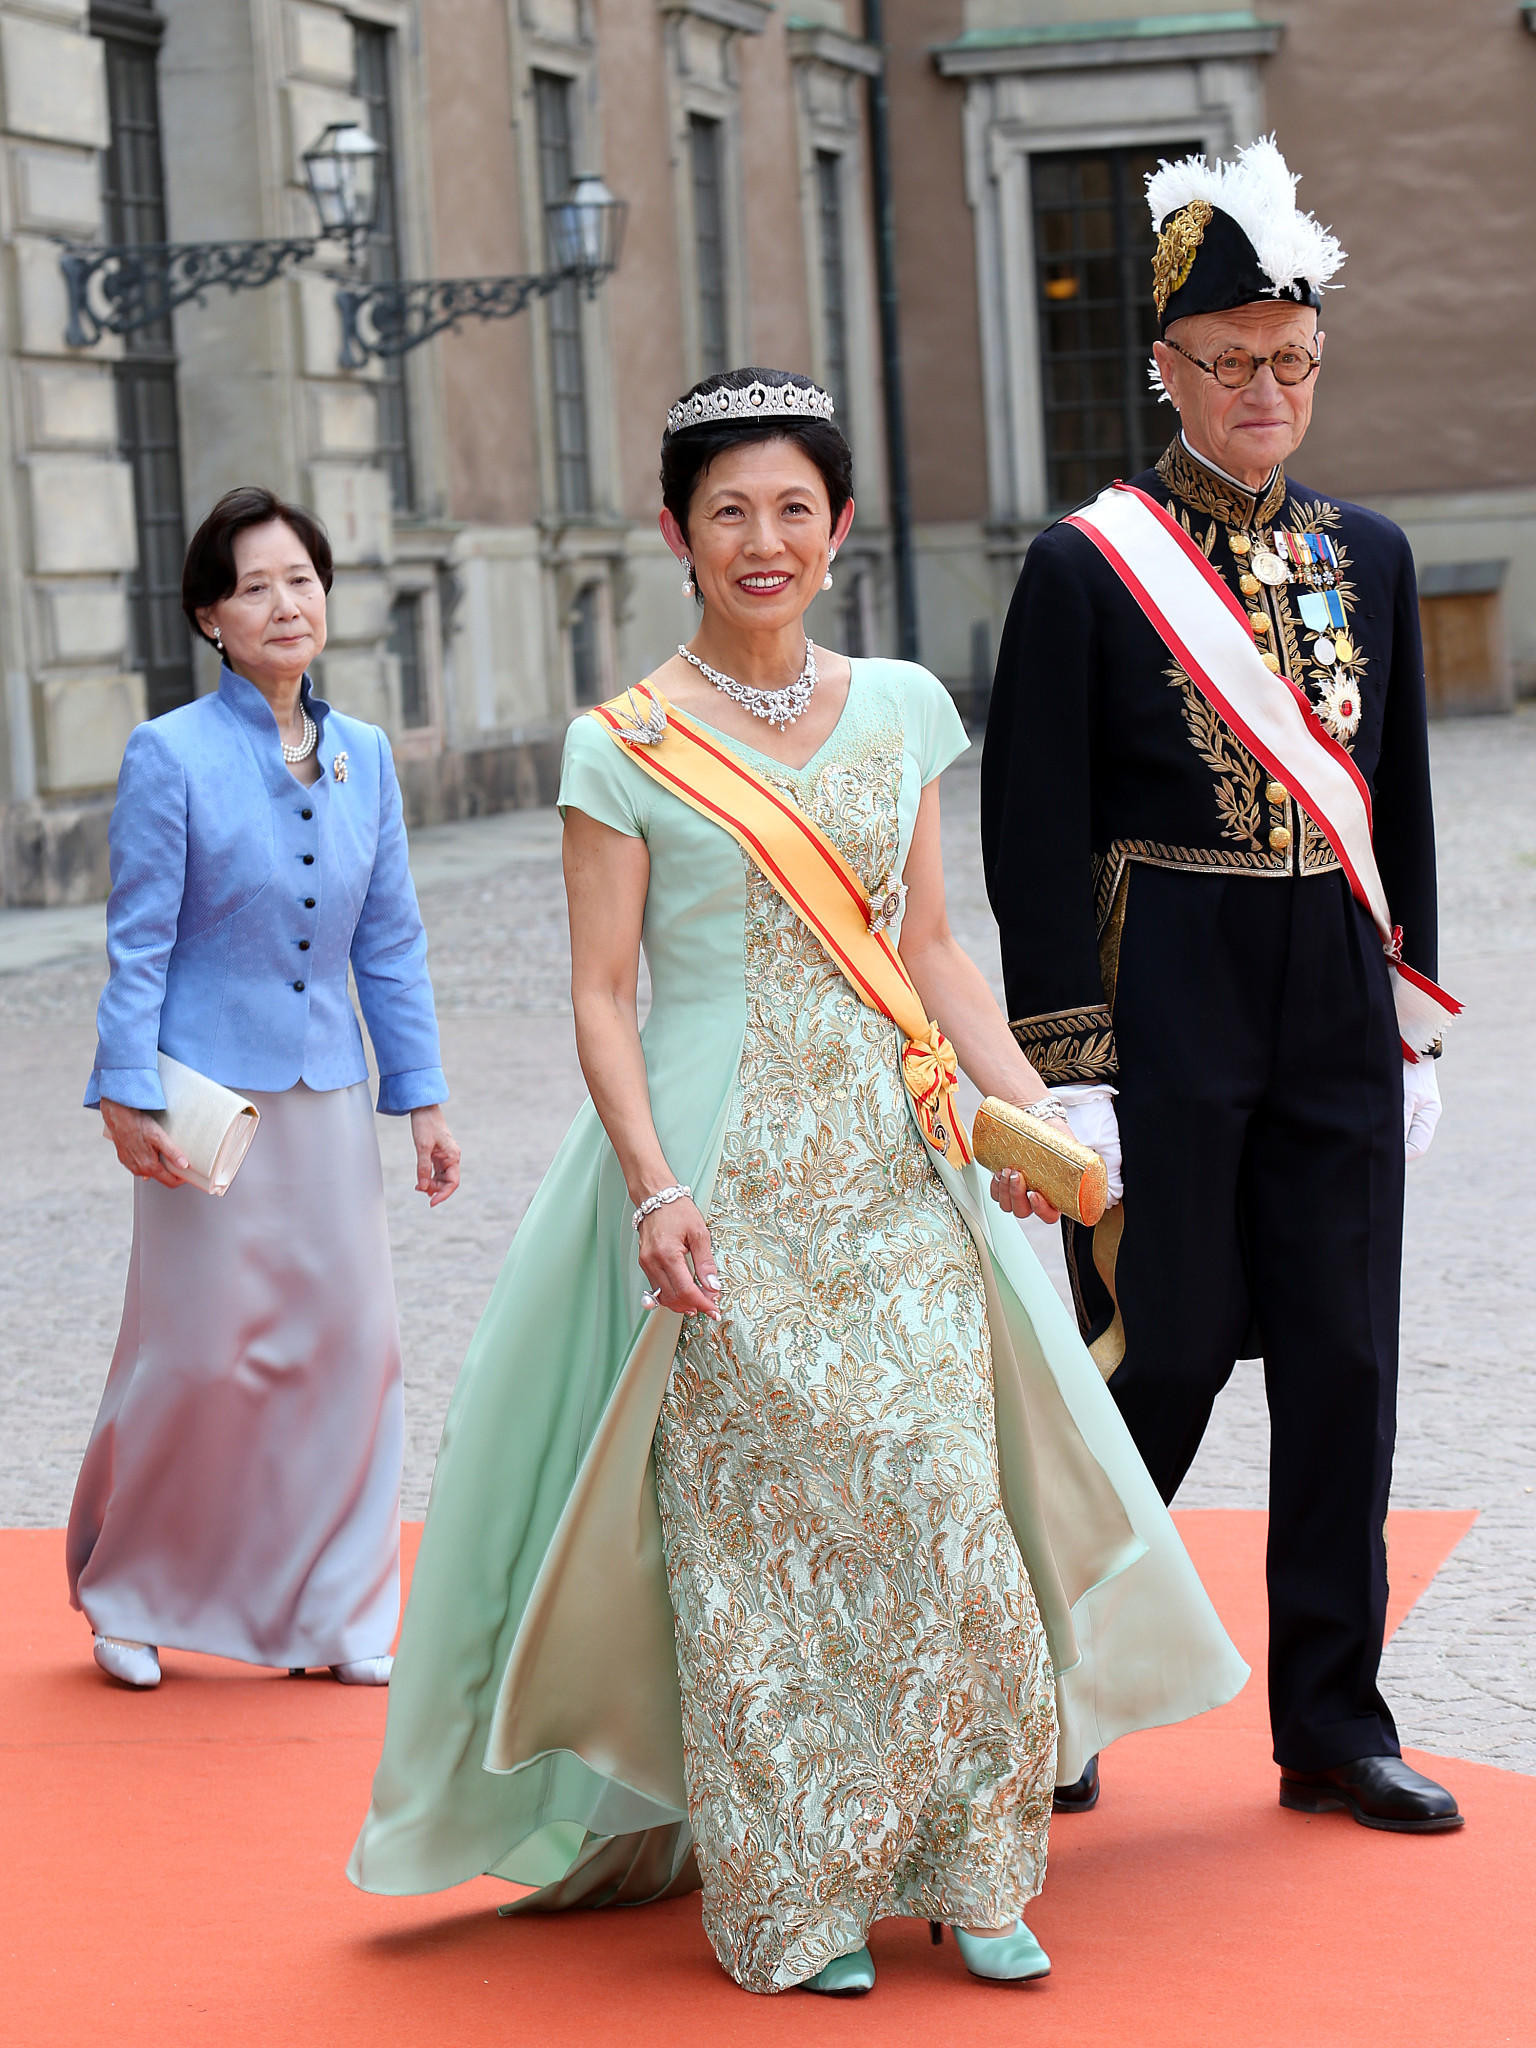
[(148, 415), (834, 283), (707, 169), (374, 84), (405, 644), (1093, 274), (554, 95), (586, 646)]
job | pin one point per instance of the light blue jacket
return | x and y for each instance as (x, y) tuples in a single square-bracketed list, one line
[(239, 898)]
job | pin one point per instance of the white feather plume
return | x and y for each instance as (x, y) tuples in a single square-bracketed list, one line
[(1258, 190)]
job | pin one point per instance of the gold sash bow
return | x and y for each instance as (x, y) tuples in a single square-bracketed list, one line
[(798, 859)]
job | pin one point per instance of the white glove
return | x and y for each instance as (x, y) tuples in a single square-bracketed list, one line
[(1421, 1105), (1090, 1108)]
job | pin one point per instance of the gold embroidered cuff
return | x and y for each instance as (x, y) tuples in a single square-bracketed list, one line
[(1069, 1045)]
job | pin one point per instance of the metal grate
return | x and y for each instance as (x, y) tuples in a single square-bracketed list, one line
[(405, 646), (1093, 266), (709, 242), (553, 96), (374, 85), (149, 428), (834, 284)]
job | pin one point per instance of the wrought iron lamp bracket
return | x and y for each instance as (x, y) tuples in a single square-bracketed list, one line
[(117, 290), (391, 319)]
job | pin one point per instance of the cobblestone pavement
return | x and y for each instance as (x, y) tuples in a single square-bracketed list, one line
[(1460, 1670)]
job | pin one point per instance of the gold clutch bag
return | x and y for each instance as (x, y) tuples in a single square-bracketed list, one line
[(1070, 1175)]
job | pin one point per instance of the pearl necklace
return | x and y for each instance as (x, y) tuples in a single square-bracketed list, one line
[(779, 707), (306, 745)]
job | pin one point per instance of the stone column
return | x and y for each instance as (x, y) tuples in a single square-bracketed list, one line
[(66, 501)]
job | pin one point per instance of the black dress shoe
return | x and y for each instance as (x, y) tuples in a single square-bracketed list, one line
[(1082, 1795), (1377, 1791)]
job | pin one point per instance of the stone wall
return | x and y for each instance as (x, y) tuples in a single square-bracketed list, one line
[(66, 501), (501, 581)]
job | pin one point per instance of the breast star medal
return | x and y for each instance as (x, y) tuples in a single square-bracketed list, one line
[(1338, 706), (339, 767)]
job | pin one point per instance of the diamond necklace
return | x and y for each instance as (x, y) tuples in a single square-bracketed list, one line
[(306, 745), (779, 707)]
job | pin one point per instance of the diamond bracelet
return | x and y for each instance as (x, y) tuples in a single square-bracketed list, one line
[(1045, 1108), (659, 1201)]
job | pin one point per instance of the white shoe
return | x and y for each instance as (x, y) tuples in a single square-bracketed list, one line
[(366, 1671), (130, 1663)]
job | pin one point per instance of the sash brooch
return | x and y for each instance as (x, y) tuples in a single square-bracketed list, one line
[(887, 904), (642, 729), (929, 1068)]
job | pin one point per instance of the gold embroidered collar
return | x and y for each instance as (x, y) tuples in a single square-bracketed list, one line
[(1218, 497)]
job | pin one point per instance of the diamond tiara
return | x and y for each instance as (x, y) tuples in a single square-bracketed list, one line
[(754, 401)]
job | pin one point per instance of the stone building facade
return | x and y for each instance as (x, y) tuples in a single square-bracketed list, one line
[(491, 495), (1025, 329)]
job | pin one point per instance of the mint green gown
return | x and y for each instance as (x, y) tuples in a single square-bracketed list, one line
[(810, 1607)]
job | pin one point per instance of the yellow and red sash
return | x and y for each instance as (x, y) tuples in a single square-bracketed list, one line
[(814, 879)]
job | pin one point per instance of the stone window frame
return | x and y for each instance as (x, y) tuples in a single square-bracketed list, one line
[(422, 370), (1035, 93), (830, 70), (691, 29), (537, 48), (420, 577)]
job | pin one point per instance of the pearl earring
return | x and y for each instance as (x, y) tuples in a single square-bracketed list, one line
[(218, 639), (687, 577), (826, 581)]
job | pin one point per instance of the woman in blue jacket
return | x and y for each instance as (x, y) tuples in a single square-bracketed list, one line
[(240, 1493)]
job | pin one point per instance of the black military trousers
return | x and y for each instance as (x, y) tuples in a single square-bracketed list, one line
[(1262, 1127)]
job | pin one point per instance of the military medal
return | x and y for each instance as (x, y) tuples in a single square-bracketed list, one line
[(1269, 568), (1322, 611)]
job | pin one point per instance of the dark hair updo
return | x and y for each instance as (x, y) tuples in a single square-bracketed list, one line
[(686, 455), (208, 575)]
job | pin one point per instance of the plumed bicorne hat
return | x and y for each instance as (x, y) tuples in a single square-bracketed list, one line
[(1229, 234)]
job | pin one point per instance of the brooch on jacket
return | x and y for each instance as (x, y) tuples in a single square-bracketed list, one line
[(339, 767)]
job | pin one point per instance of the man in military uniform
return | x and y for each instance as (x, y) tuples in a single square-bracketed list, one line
[(1186, 964)]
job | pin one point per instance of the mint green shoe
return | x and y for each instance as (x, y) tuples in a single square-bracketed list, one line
[(1015, 1958), (845, 1976)]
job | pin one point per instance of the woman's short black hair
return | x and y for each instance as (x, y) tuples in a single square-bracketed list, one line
[(686, 456), (208, 574)]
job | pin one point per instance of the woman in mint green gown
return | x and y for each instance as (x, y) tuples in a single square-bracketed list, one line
[(807, 1584)]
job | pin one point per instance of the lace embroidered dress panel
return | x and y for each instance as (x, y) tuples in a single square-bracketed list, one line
[(868, 1705)]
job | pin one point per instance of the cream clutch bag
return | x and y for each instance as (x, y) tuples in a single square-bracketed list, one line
[(212, 1125), (1070, 1175)]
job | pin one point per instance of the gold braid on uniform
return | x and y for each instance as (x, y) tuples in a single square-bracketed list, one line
[(1204, 491), (1069, 1045)]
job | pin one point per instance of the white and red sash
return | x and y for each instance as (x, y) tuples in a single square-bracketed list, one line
[(1207, 632)]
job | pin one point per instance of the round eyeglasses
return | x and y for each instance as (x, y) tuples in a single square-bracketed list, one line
[(1235, 367)]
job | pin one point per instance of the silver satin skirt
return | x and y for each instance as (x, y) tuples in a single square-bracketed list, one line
[(240, 1494)]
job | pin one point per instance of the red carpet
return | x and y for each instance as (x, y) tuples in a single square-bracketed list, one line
[(172, 1872)]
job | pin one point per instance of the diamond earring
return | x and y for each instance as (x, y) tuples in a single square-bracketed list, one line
[(826, 581), (218, 639), (687, 577)]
